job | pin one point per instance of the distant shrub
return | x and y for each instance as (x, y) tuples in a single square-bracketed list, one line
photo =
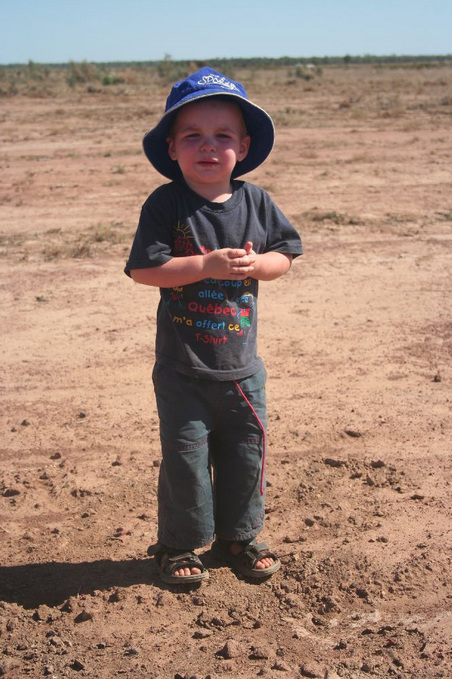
[(304, 74), (110, 79), (171, 71), (83, 72)]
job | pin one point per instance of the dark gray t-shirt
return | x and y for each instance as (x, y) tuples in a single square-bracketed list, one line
[(208, 329)]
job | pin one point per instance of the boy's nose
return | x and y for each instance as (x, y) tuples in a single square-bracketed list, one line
[(208, 144)]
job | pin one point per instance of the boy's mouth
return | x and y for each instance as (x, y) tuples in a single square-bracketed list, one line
[(208, 163)]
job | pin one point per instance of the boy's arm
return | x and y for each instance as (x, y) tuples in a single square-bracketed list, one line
[(174, 273), (269, 265), (223, 264)]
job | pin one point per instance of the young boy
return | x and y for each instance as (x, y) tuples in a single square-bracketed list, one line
[(205, 240)]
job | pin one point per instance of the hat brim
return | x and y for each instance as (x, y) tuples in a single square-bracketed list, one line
[(258, 123)]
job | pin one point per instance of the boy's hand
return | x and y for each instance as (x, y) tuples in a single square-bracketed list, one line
[(230, 263), (249, 249)]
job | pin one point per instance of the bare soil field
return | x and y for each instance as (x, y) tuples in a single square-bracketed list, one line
[(357, 340)]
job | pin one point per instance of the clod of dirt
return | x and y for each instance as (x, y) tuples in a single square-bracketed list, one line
[(362, 593), (330, 462), (77, 665), (281, 666), (120, 531), (290, 539), (202, 634), (131, 651), (311, 670), (10, 492), (84, 616), (258, 653), (353, 433), (115, 597), (306, 671), (231, 649)]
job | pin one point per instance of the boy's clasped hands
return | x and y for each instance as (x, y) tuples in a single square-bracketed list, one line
[(230, 263)]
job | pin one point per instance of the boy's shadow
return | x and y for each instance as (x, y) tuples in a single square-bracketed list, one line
[(52, 583)]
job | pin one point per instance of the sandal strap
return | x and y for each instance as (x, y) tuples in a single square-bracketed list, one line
[(254, 552), (171, 560)]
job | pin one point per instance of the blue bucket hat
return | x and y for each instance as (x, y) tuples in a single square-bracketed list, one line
[(200, 85)]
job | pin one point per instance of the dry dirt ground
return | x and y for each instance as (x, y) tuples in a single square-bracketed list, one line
[(357, 340)]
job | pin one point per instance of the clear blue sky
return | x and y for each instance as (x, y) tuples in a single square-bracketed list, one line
[(55, 31)]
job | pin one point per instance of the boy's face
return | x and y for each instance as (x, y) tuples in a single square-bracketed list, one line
[(207, 140)]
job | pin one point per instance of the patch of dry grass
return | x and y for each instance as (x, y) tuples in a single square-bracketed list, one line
[(56, 244)]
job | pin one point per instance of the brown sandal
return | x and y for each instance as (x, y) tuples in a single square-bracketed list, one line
[(245, 561), (170, 560)]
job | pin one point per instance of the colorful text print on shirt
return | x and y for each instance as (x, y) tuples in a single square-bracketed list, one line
[(211, 311), (214, 310)]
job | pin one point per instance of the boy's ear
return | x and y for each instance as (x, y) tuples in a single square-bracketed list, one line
[(244, 147), (171, 149)]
